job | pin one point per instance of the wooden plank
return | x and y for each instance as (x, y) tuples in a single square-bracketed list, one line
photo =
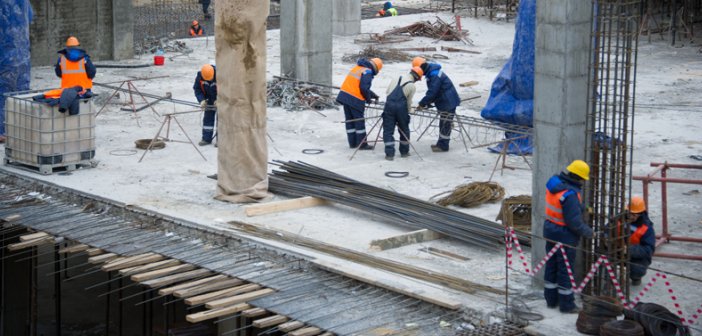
[(254, 312), (74, 248), (161, 272), (188, 292), (196, 300), (93, 251), (404, 239), (165, 281), (239, 298), (191, 284), (327, 334), (149, 267), (443, 253), (279, 206), (269, 321), (210, 314), (309, 331), (102, 258), (11, 218), (146, 258), (33, 236), (29, 243), (290, 326)]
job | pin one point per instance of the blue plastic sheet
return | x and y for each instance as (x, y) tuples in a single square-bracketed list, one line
[(15, 67), (512, 95)]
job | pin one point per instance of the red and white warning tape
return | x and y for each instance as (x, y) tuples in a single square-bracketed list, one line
[(512, 242)]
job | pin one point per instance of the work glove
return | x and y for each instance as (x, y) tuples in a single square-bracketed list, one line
[(203, 103), (421, 107)]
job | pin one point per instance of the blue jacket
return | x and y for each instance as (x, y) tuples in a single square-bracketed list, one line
[(440, 89), (366, 81), (641, 255), (572, 212), (73, 55), (205, 89)]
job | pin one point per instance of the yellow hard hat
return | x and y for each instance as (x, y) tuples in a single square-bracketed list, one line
[(72, 42), (637, 205), (207, 72), (418, 61), (378, 63), (580, 168)]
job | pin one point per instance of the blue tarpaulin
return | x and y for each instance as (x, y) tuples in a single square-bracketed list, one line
[(512, 94), (15, 17)]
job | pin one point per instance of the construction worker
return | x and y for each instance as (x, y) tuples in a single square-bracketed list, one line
[(355, 93), (441, 93), (75, 68), (564, 223), (642, 241), (398, 106), (205, 89), (388, 10), (196, 29)]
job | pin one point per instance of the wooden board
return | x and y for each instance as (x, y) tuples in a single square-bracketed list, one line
[(139, 260), (74, 248), (191, 284), (189, 292), (161, 272), (171, 279), (196, 300), (254, 312), (290, 326), (404, 239), (309, 331), (279, 206), (33, 236), (102, 258), (239, 298), (93, 251), (210, 314), (29, 243), (11, 218), (269, 321), (149, 267)]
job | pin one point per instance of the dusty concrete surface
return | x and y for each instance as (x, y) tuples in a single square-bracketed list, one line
[(173, 180)]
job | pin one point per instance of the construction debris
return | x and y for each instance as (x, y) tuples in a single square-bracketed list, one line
[(387, 55), (382, 38), (296, 96), (473, 194), (450, 49), (516, 212), (439, 30), (151, 44)]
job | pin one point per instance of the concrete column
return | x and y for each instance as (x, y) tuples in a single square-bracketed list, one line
[(560, 97), (122, 30), (306, 40), (346, 17)]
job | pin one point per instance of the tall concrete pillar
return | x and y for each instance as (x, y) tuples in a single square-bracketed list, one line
[(122, 30), (306, 40), (560, 97), (346, 17)]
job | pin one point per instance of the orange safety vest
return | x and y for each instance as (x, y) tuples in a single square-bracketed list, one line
[(635, 238), (554, 208), (352, 83), (53, 93), (194, 32), (74, 74)]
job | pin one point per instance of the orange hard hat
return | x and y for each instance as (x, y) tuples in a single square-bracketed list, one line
[(418, 71), (418, 61), (637, 205), (381, 12), (72, 42), (207, 71), (378, 63), (195, 23)]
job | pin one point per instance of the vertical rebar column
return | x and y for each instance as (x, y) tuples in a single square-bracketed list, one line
[(609, 135)]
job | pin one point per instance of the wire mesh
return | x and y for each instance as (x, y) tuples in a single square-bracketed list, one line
[(609, 135)]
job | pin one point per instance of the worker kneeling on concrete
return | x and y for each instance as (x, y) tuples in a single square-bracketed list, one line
[(388, 10), (642, 241), (75, 68), (564, 223), (441, 93), (396, 112), (355, 93), (205, 88)]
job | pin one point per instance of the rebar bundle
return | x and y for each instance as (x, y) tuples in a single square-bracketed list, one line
[(609, 135), (302, 179), (295, 96)]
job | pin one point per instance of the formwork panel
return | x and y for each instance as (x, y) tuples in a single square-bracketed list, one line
[(40, 136)]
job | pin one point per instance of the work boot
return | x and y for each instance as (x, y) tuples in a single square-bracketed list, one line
[(204, 143), (366, 147), (404, 155), (437, 149), (636, 282), (389, 158), (553, 306)]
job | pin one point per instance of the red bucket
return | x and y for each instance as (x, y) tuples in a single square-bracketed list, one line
[(158, 60)]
